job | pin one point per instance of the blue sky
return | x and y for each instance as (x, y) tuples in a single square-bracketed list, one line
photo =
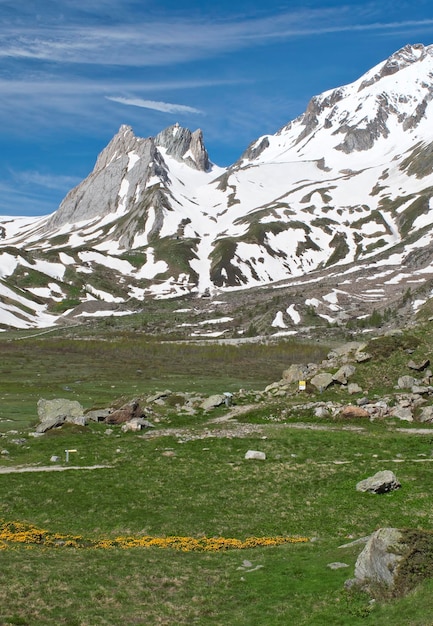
[(71, 72)]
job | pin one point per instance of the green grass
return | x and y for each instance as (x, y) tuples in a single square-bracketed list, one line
[(306, 487), (207, 488), (95, 371)]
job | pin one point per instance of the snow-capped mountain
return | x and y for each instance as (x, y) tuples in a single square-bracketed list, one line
[(345, 188)]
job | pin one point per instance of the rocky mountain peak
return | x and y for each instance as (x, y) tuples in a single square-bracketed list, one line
[(123, 142), (183, 145), (401, 59)]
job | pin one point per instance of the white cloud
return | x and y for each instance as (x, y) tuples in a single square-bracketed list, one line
[(165, 107)]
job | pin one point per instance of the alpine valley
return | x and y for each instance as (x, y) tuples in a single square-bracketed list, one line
[(323, 223)]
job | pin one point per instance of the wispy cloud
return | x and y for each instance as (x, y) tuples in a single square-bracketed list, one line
[(165, 107), (153, 42), (48, 181)]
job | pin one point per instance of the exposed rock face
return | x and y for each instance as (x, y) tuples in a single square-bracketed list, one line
[(185, 146), (255, 149), (126, 158), (123, 169)]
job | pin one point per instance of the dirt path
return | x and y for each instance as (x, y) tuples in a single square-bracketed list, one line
[(233, 413), (17, 469)]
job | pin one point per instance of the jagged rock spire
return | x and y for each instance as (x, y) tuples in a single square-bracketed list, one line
[(184, 145)]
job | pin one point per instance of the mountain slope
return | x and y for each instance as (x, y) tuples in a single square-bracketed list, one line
[(345, 187)]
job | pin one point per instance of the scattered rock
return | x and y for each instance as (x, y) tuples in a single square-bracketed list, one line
[(362, 357), (213, 401), (295, 373), (343, 374), (355, 542), (126, 413), (421, 390), (346, 349), (406, 382), (381, 482), (256, 455), (419, 367), (136, 424), (426, 414), (402, 413), (159, 395), (98, 415), (337, 565), (353, 412), (322, 381), (353, 388), (321, 411)]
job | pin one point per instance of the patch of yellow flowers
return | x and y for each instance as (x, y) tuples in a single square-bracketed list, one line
[(19, 533)]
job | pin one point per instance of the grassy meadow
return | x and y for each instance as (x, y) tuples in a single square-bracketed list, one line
[(76, 554)]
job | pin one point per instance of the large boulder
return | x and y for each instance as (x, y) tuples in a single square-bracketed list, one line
[(59, 407), (54, 413), (396, 559), (379, 560), (381, 482)]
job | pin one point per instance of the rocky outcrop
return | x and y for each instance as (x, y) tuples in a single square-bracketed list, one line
[(394, 561)]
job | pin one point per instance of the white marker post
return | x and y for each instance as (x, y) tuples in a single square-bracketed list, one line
[(67, 454)]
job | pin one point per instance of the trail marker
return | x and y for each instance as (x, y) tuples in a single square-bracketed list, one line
[(67, 454)]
